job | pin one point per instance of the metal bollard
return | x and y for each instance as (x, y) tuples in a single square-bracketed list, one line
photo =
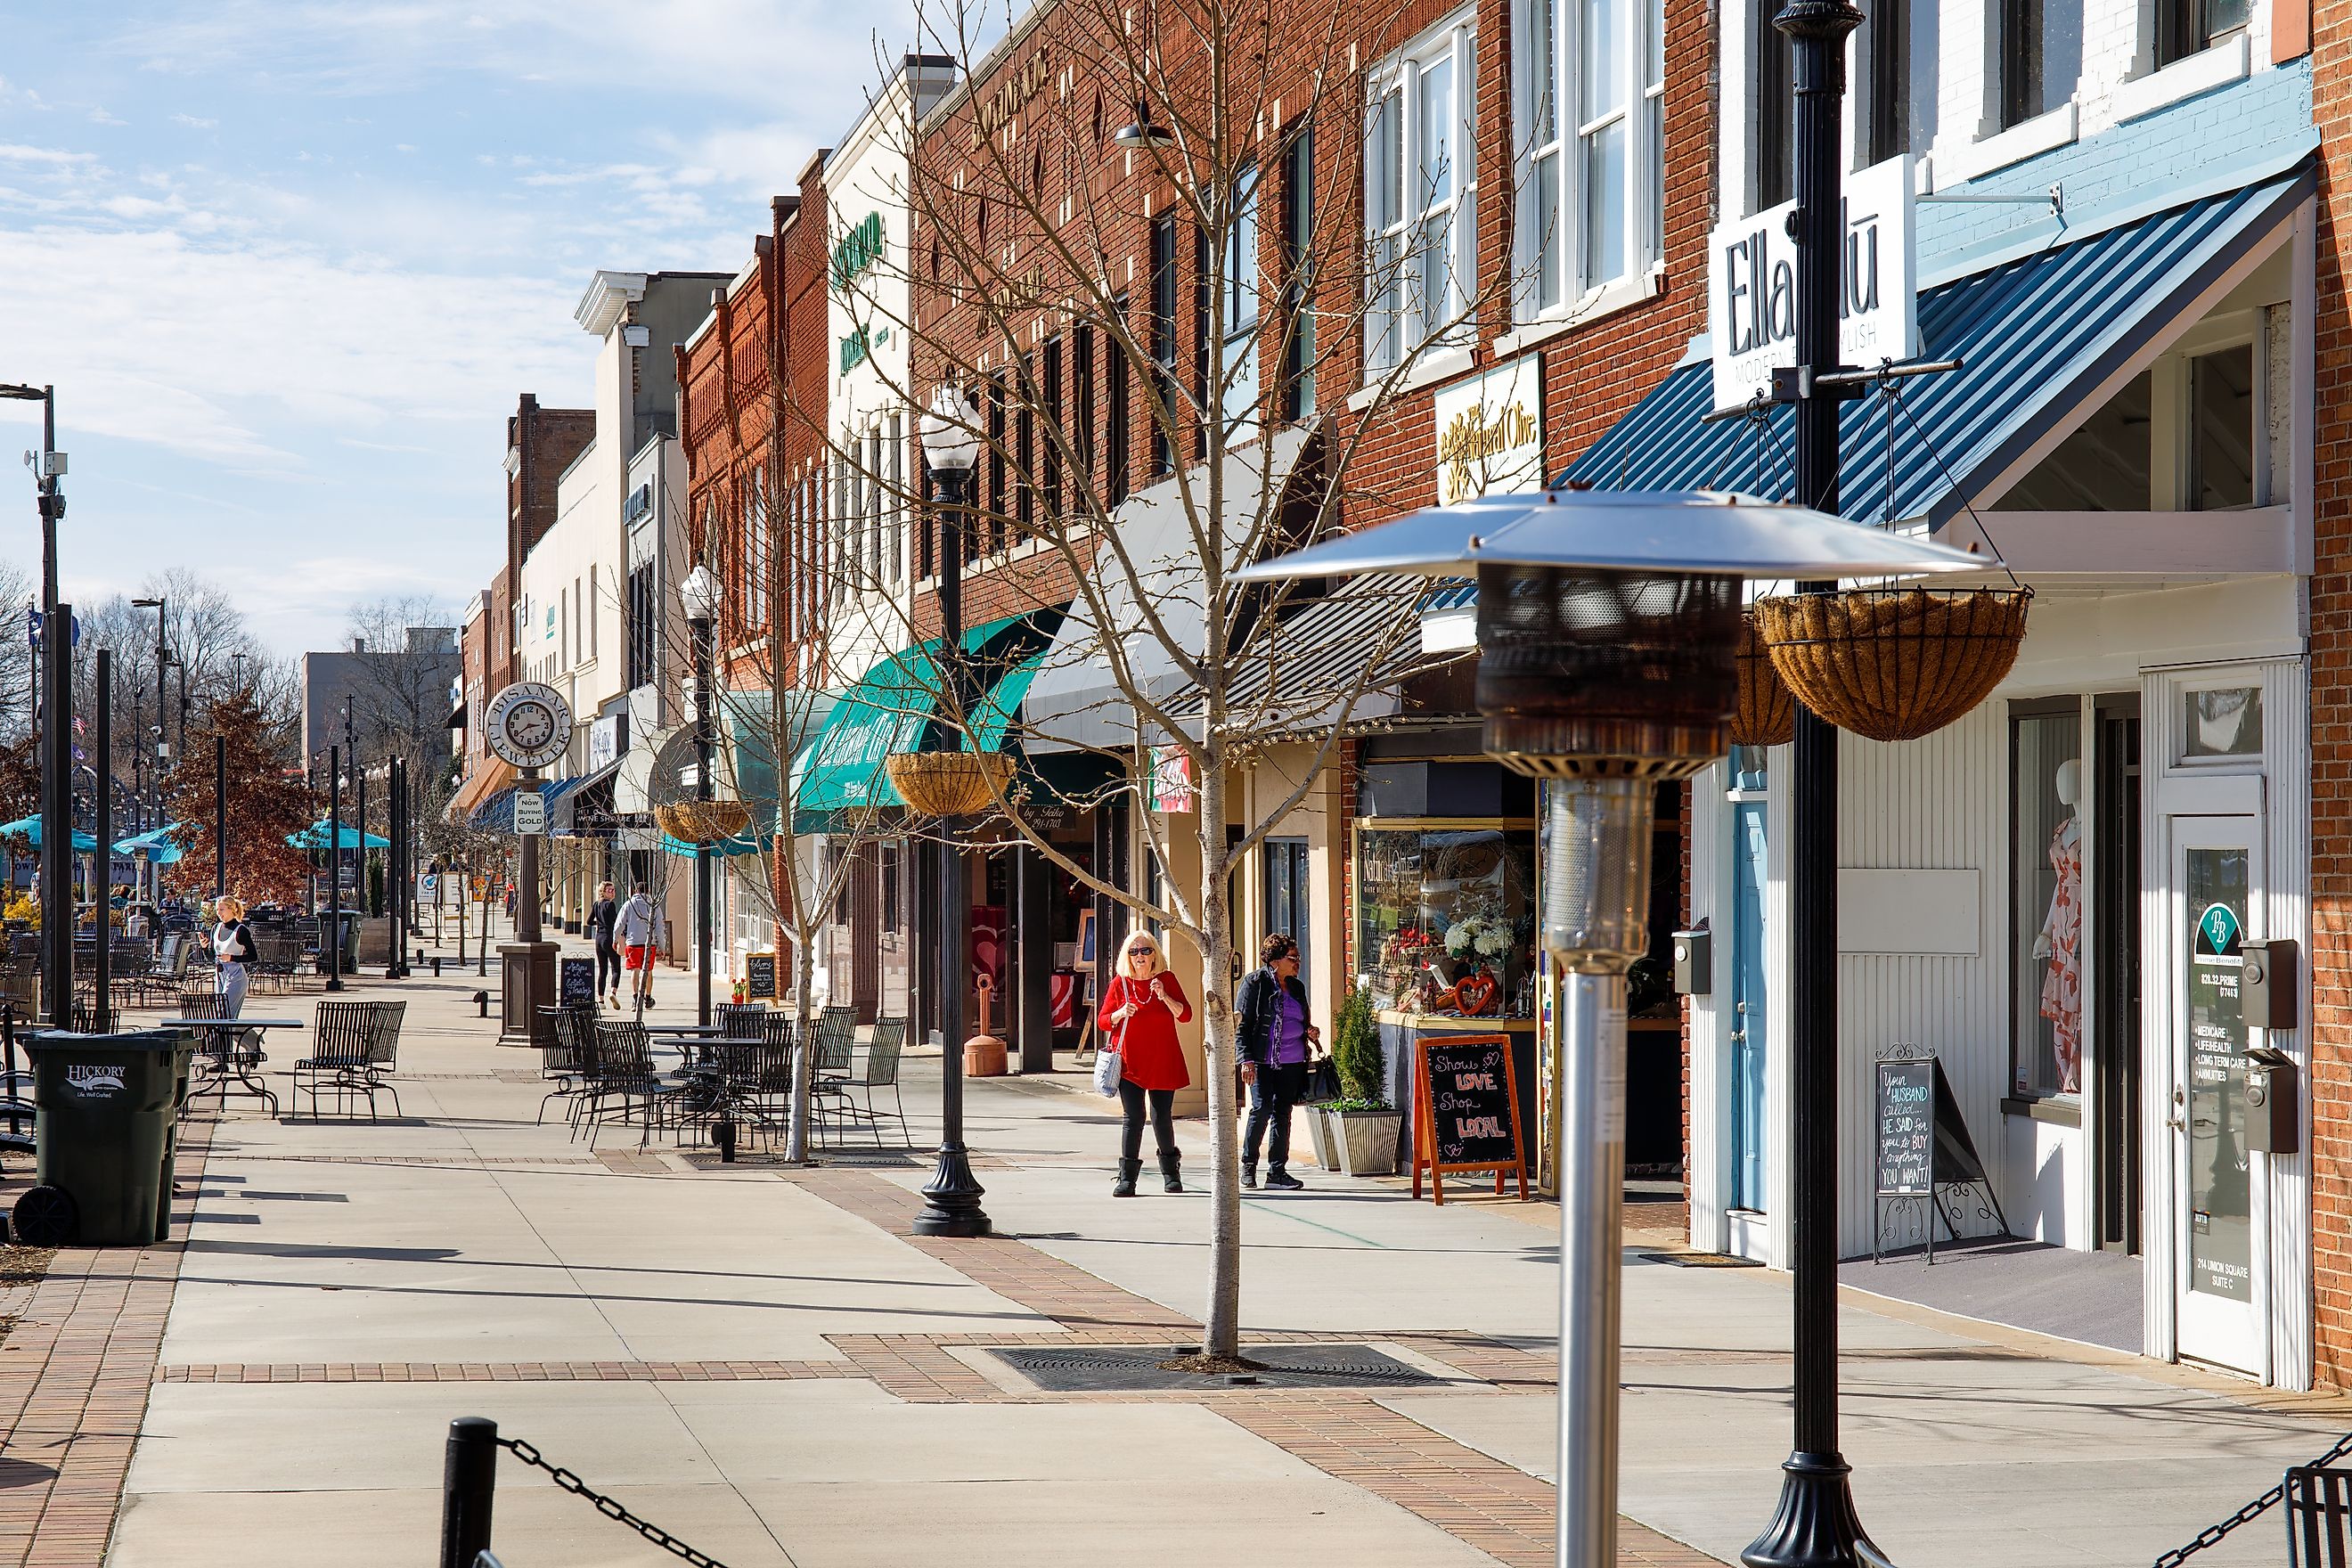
[(469, 1478), (437, 966), (482, 1002)]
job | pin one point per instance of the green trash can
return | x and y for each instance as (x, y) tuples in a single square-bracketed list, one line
[(107, 1103)]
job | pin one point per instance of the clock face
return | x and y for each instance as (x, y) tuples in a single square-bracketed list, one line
[(529, 725)]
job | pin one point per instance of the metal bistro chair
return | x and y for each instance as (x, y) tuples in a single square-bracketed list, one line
[(341, 1046), (836, 1041), (567, 1062), (384, 1047), (2318, 1517), (621, 1071), (882, 1050), (740, 1020)]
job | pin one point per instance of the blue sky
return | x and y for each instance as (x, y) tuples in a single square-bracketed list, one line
[(289, 264)]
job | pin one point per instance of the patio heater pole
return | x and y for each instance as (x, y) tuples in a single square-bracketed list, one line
[(330, 937), (220, 816), (1815, 1525), (102, 824)]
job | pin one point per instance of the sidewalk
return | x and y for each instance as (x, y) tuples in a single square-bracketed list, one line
[(766, 1363)]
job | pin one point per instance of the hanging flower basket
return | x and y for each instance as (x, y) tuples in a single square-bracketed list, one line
[(703, 821), (1767, 713), (949, 783), (1894, 664)]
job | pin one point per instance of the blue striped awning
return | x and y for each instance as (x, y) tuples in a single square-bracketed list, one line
[(2038, 338)]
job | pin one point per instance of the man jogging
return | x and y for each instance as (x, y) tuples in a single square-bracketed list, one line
[(637, 944)]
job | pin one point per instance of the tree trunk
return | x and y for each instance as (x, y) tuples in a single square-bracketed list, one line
[(1221, 1324), (796, 1138)]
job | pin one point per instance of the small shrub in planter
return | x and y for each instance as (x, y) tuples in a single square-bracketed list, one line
[(1363, 1126)]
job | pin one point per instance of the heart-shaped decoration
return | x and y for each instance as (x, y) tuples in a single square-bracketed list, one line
[(1473, 994)]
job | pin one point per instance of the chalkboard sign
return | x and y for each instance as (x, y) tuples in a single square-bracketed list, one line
[(1925, 1154), (1466, 1111), (759, 977), (1906, 1128), (577, 985)]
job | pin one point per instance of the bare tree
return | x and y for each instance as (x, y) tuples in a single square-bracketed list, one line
[(1251, 343)]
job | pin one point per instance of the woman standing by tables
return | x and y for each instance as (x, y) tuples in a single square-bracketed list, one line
[(1140, 1009), (234, 950)]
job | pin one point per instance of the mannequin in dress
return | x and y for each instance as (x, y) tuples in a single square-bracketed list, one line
[(2060, 945)]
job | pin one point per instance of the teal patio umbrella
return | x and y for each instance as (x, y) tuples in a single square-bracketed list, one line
[(345, 836), (29, 827), (155, 844)]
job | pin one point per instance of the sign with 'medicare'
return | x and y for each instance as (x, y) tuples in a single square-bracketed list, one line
[(1752, 286)]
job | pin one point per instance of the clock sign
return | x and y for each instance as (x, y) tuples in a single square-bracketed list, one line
[(529, 725)]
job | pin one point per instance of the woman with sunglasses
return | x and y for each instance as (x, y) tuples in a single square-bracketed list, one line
[(1140, 1009), (1277, 1040)]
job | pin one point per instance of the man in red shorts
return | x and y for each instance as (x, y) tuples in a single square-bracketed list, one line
[(638, 945)]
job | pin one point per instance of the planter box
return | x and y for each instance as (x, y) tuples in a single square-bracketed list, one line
[(1318, 1130), (1367, 1139)]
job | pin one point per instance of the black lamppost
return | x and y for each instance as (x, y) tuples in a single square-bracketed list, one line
[(150, 770), (333, 938), (699, 596), (57, 734), (951, 433)]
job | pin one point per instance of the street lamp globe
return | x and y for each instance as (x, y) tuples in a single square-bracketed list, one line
[(951, 432), (699, 595), (1141, 131)]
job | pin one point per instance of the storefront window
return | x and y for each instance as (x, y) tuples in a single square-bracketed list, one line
[(2046, 925), (1445, 918)]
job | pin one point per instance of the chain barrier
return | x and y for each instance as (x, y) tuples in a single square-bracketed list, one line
[(2212, 1533), (613, 1510)]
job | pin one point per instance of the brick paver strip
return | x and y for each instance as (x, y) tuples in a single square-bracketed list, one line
[(74, 1380), (512, 1372)]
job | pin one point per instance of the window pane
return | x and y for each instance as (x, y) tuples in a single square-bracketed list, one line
[(1388, 162), (1543, 219), (1653, 70), (1386, 318), (1433, 277), (2221, 406), (1542, 67), (1433, 177), (1604, 59), (1654, 110), (1604, 204), (2047, 886)]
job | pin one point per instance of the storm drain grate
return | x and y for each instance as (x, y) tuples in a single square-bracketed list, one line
[(1123, 1368), (1702, 1259)]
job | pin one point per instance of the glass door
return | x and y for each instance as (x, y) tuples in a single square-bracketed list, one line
[(2217, 879), (1286, 897), (1747, 1012)]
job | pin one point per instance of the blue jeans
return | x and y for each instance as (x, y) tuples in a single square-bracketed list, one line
[(1277, 1088)]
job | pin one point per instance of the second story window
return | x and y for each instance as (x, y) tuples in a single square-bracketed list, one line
[(1591, 93), (1237, 364), (2040, 58), (1774, 91), (1160, 340), (1420, 196), (2184, 27), (1297, 274)]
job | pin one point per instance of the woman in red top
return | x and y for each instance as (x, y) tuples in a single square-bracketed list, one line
[(1140, 1009)]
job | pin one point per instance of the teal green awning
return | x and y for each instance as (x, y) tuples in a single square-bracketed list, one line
[(889, 708)]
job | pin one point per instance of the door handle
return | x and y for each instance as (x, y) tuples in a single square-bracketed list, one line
[(1739, 1034), (2179, 1107)]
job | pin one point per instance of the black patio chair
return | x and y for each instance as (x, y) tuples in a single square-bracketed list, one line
[(565, 1064), (343, 1044), (2318, 1517), (883, 1048), (620, 1075), (383, 1046)]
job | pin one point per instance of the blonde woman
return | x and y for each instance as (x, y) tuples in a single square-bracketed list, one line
[(1140, 1009), (234, 952)]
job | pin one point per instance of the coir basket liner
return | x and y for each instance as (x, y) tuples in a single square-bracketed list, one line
[(949, 783), (1894, 664), (1766, 714), (703, 821)]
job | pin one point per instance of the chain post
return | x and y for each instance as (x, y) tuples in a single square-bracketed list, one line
[(470, 1475)]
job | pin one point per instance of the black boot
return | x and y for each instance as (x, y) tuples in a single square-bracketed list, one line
[(1128, 1170), (1249, 1173), (1171, 1177)]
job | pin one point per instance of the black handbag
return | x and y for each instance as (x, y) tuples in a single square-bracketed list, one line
[(1322, 1081)]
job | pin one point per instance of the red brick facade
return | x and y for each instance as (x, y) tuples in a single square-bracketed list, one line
[(540, 444), (2331, 712)]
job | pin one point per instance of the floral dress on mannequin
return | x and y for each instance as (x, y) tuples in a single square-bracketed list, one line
[(2061, 985)]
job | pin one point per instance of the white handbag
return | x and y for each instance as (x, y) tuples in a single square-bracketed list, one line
[(1108, 1067)]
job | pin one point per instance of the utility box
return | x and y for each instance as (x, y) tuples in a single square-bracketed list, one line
[(2267, 983), (2273, 1107), (1694, 962)]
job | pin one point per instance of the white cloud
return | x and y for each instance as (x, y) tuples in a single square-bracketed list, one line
[(18, 153), (191, 122), (99, 116)]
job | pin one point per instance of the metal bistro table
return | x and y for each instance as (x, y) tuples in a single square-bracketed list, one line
[(229, 1062), (712, 1091)]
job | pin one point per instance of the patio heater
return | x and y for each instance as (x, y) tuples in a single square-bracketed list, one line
[(1608, 623)]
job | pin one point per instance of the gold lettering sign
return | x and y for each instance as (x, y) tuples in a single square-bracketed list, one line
[(1025, 82), (1470, 443)]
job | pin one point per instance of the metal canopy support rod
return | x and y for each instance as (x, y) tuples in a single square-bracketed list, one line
[(1815, 1525), (331, 937)]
